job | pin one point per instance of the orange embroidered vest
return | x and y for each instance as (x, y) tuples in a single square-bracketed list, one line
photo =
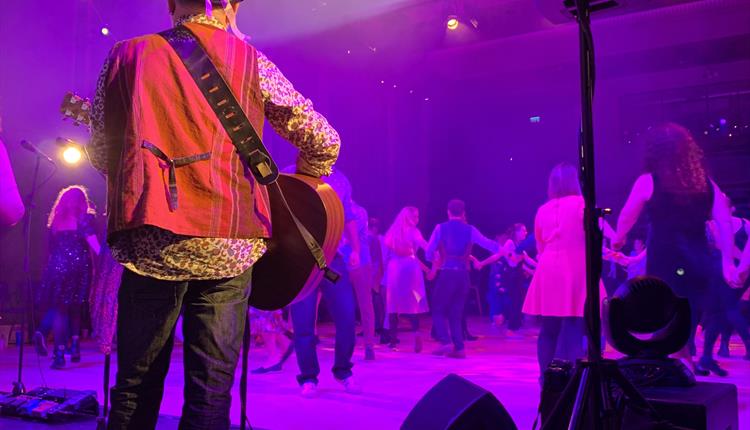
[(157, 124)]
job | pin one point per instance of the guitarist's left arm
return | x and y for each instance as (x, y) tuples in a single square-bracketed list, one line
[(294, 118), (96, 150)]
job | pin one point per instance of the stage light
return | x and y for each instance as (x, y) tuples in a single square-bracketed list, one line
[(105, 31), (647, 322), (72, 155), (535, 119), (71, 152), (452, 22)]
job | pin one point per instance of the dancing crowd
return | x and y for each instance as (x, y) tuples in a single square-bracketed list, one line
[(689, 237)]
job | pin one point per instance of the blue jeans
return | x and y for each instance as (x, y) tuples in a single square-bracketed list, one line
[(339, 298), (214, 315), (448, 302), (497, 301)]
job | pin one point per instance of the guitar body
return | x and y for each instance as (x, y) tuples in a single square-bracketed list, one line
[(288, 272)]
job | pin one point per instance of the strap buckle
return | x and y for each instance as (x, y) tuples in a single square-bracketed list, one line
[(331, 275), (260, 166)]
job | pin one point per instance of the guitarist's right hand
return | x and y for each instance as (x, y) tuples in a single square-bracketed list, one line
[(304, 168)]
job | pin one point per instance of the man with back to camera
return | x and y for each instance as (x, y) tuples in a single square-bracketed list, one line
[(452, 241), (188, 233)]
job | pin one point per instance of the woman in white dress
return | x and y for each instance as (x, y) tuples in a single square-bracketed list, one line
[(405, 274)]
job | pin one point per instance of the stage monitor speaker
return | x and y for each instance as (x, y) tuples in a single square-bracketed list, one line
[(704, 406), (457, 404)]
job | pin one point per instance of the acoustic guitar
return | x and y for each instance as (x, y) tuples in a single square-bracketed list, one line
[(287, 272)]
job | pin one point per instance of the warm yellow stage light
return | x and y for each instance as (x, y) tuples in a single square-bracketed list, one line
[(72, 155), (452, 23)]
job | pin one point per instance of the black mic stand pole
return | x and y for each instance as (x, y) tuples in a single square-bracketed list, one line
[(591, 390), (28, 313)]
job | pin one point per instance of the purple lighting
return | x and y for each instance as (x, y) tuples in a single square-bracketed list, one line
[(447, 124)]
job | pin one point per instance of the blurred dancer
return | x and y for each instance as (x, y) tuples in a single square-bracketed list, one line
[(67, 276), (378, 255), (273, 329), (737, 297), (11, 206), (497, 293), (720, 310), (516, 273), (676, 182), (558, 289), (405, 275), (339, 299), (361, 277), (449, 250)]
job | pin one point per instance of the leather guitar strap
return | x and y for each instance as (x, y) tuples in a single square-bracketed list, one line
[(226, 107), (249, 148), (240, 130)]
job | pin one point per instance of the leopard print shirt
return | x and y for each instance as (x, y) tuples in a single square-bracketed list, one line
[(161, 254)]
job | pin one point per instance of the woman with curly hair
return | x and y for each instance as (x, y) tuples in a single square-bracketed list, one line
[(67, 276), (679, 198)]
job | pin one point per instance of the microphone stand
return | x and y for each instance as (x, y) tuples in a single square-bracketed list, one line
[(590, 400), (28, 313)]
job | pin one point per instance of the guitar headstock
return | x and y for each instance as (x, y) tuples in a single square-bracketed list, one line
[(77, 108)]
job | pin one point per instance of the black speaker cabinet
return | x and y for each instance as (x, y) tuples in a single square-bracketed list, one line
[(705, 406), (457, 404)]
